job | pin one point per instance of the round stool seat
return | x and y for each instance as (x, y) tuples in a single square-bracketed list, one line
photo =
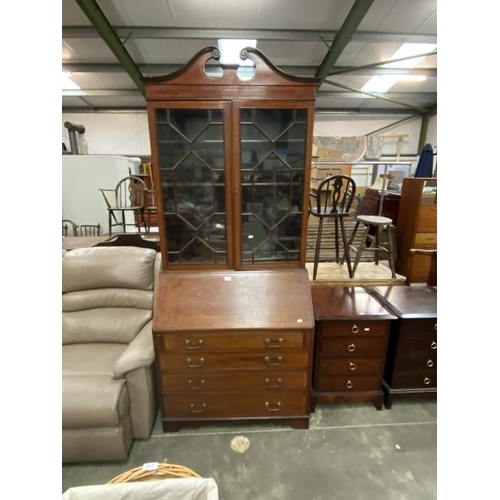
[(374, 219)]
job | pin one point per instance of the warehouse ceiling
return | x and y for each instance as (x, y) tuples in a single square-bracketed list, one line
[(108, 44)]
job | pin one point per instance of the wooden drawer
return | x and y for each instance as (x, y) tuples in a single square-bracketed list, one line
[(426, 240), (416, 363), (427, 219), (330, 383), (233, 381), (235, 405), (419, 328), (258, 360), (204, 341), (350, 366), (416, 347), (348, 347), (355, 329), (418, 380)]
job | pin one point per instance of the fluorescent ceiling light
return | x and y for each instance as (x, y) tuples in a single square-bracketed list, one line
[(230, 51), (68, 83), (383, 83)]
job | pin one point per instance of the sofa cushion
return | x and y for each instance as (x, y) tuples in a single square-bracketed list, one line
[(93, 401), (107, 297), (108, 267), (90, 359), (119, 325)]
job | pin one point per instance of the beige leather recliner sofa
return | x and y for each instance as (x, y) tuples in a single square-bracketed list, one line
[(108, 375)]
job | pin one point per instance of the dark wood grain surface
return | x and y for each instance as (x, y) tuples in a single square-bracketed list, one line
[(206, 300), (408, 301)]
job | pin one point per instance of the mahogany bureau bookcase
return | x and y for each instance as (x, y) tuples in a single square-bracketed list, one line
[(411, 366), (352, 330), (231, 160)]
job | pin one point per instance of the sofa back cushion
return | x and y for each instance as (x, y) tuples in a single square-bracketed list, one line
[(107, 293)]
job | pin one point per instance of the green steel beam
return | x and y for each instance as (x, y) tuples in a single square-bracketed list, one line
[(378, 96), (344, 35), (376, 65), (106, 32), (399, 122), (423, 132)]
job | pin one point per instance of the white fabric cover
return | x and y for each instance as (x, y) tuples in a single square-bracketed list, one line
[(191, 488)]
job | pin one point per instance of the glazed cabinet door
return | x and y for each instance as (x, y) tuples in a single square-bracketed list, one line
[(273, 162), (191, 182)]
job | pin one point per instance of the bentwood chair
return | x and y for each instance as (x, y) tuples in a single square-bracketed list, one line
[(333, 199), (68, 228), (127, 199)]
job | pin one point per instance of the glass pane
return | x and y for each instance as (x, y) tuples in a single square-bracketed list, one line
[(191, 162), (273, 147)]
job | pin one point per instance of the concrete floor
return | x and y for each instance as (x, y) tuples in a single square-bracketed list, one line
[(350, 451)]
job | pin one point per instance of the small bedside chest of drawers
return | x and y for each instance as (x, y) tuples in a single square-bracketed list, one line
[(235, 345), (411, 366), (352, 330)]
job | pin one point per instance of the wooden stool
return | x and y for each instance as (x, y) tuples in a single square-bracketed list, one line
[(372, 241)]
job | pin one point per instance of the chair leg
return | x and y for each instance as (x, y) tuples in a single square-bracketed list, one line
[(318, 244), (109, 221), (392, 249), (360, 249), (378, 230), (346, 256), (351, 239), (336, 241)]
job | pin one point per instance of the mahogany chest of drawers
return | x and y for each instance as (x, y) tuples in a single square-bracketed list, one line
[(411, 366), (352, 329), (234, 345)]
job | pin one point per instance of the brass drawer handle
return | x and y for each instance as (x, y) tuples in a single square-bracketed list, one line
[(276, 408), (427, 380), (355, 329), (275, 362), (349, 384), (193, 408), (274, 344), (434, 344), (436, 327), (189, 360), (430, 363), (196, 387), (352, 366), (188, 345), (351, 347), (271, 385)]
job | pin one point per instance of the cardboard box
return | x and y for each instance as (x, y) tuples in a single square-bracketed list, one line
[(320, 172), (327, 153)]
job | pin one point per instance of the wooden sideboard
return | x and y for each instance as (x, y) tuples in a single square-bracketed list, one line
[(234, 346), (352, 329), (411, 366)]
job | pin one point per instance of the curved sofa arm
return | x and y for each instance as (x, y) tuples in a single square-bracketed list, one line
[(139, 353)]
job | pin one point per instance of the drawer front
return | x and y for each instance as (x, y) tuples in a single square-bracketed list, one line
[(421, 380), (331, 383), (427, 219), (426, 328), (426, 240), (200, 342), (235, 405), (258, 360), (350, 366), (348, 347), (355, 329), (417, 347), (234, 381), (419, 364)]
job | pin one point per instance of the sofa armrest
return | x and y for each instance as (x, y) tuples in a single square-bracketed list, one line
[(138, 354)]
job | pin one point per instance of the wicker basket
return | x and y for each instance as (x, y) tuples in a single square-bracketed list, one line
[(153, 471)]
